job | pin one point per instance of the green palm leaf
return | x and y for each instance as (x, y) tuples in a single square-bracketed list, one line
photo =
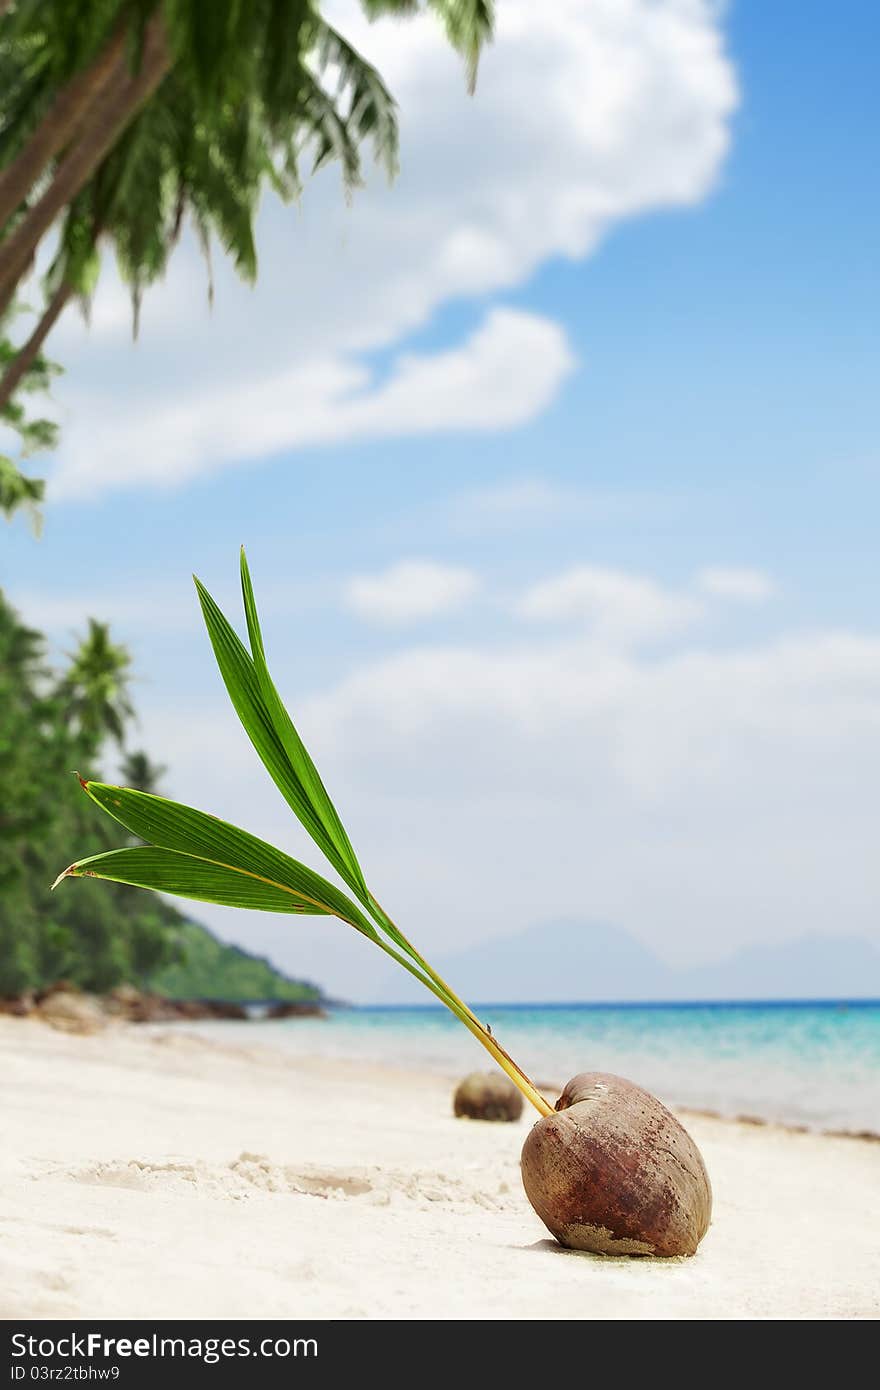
[(297, 753), (271, 731), (243, 687), (185, 875), (242, 869)]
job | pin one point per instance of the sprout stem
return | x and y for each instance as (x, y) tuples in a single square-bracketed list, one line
[(441, 989)]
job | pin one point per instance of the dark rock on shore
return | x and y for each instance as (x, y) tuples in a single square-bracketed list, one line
[(134, 1006), (18, 1006), (65, 1005), (222, 1008), (138, 1006), (62, 1006), (295, 1009)]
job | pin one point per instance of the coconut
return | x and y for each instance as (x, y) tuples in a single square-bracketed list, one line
[(487, 1096), (613, 1171)]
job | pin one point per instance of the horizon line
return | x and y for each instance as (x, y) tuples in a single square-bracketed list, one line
[(841, 1001)]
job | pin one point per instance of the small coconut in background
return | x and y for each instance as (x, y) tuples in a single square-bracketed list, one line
[(487, 1095)]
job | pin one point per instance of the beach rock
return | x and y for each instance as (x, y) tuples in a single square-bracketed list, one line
[(139, 1006), (123, 1001), (224, 1008), (189, 1009), (196, 1010), (487, 1096), (71, 1012), (18, 1006), (295, 1009), (613, 1172)]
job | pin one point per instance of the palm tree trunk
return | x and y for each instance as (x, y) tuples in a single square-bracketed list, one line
[(112, 113), (70, 107), (28, 351)]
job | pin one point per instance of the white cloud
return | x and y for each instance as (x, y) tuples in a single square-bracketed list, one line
[(514, 503), (707, 801), (616, 607), (702, 798), (408, 591), (156, 608), (503, 374), (530, 502), (743, 585), (584, 115)]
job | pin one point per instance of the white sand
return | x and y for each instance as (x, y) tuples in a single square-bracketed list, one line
[(153, 1176)]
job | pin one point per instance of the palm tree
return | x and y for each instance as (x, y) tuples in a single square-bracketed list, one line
[(139, 772), (94, 689), (18, 492), (22, 719), (22, 650), (121, 117), (170, 162), (47, 105), (63, 117), (116, 104)]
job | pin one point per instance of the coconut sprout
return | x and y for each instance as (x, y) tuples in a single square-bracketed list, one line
[(192, 854), (614, 1172)]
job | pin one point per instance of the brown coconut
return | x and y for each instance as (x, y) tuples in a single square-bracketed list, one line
[(615, 1173), (487, 1096)]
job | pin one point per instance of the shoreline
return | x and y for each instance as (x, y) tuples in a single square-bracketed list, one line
[(183, 1027), (817, 1072), (550, 1089), (864, 1136), (452, 1077), (154, 1173)]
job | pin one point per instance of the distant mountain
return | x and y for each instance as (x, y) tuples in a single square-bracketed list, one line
[(587, 961), (210, 969), (809, 967)]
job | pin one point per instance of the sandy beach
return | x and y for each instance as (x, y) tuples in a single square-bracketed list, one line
[(158, 1175)]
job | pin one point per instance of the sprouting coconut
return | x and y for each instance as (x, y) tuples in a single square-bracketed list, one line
[(610, 1170)]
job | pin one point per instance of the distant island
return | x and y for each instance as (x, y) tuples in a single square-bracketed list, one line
[(583, 962)]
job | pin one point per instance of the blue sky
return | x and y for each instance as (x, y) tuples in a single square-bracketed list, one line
[(621, 637)]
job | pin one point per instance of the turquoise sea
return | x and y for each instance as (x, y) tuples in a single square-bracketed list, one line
[(815, 1064)]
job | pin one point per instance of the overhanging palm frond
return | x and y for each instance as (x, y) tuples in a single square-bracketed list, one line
[(469, 24)]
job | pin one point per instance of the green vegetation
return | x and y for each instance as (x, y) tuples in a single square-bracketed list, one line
[(50, 723), (35, 434), (183, 851), (211, 970)]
